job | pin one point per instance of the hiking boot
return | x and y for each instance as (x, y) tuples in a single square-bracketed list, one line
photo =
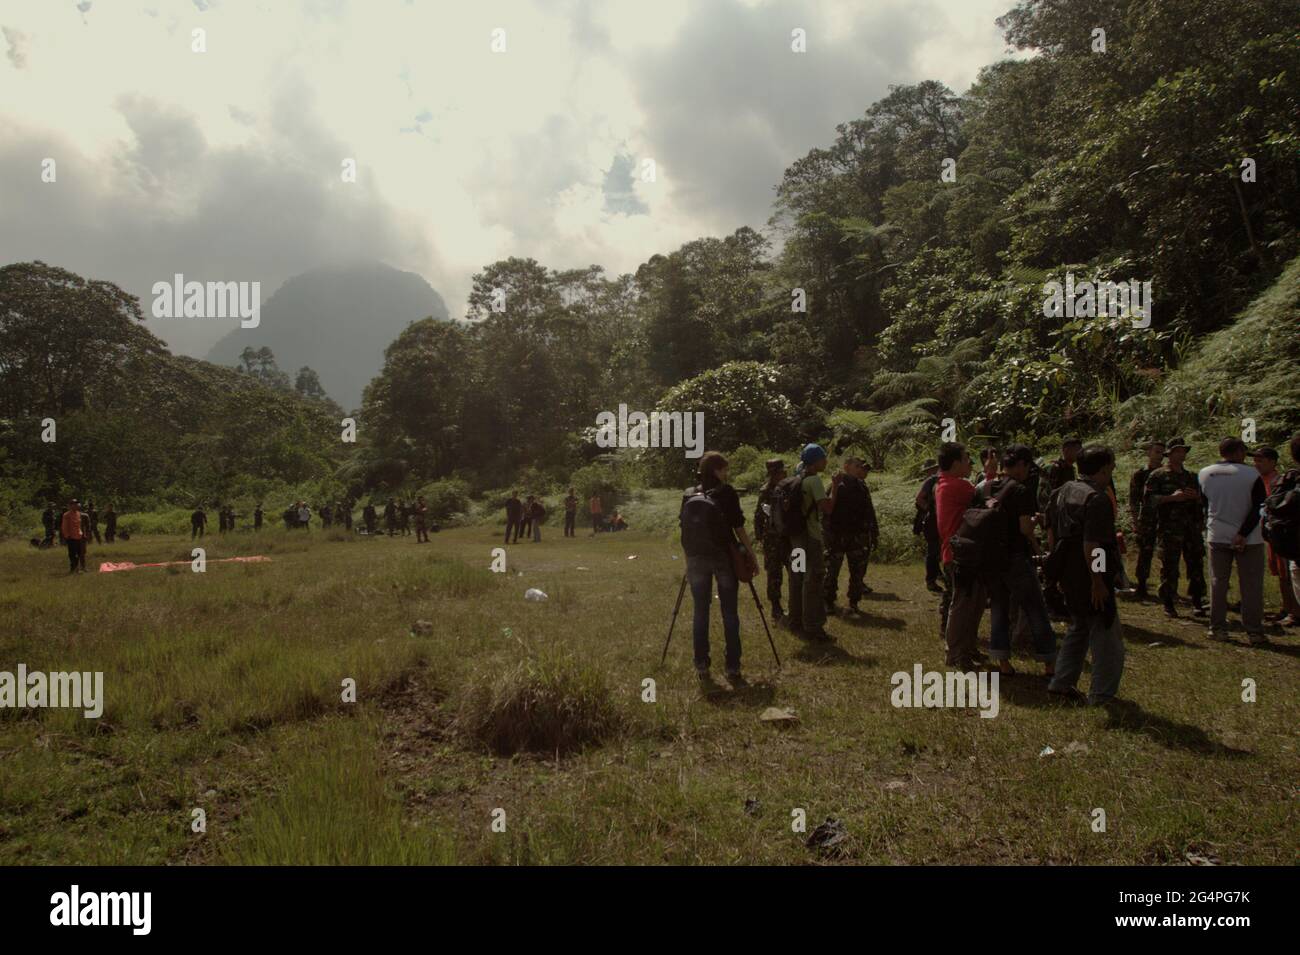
[(777, 613), (735, 679), (1140, 593), (1199, 609), (933, 587), (820, 636), (1218, 636), (1171, 610), (704, 676), (1259, 640), (854, 608)]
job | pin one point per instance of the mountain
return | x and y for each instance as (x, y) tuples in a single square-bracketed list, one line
[(337, 320)]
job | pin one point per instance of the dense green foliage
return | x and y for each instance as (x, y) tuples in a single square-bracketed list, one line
[(901, 284)]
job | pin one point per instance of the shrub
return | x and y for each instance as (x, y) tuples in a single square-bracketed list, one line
[(547, 704)]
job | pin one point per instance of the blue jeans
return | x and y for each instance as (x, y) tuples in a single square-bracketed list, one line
[(1107, 646), (701, 572), (1018, 584)]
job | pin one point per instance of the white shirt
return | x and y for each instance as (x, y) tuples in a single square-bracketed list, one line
[(1227, 487)]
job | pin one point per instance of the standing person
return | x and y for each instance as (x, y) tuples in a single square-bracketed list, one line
[(514, 515), (1081, 533), (198, 522), (536, 514), (257, 517), (73, 532), (526, 518), (1234, 493), (1014, 585), (1175, 495), (345, 509), (404, 514), (710, 514), (1144, 518), (597, 512), (807, 587), (1266, 464), (221, 518), (92, 516), (850, 531), (369, 517), (1059, 471), (230, 517), (390, 517), (963, 602), (925, 524), (570, 513), (304, 516), (989, 465), (110, 524), (48, 520), (421, 521), (326, 515), (776, 549)]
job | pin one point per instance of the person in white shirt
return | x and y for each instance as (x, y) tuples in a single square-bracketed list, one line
[(1234, 493)]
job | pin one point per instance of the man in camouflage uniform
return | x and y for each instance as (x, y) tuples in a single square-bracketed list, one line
[(776, 550), (1174, 495), (851, 532), (1144, 518)]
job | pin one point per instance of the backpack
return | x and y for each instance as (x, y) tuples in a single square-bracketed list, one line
[(788, 517), (983, 541), (704, 529), (1282, 517)]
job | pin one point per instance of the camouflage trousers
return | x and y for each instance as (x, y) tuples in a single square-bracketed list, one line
[(776, 554), (854, 548), (1190, 549), (1146, 548)]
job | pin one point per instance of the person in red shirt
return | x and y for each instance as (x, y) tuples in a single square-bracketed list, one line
[(963, 603), (74, 537)]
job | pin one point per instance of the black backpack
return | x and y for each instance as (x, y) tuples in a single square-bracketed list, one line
[(1282, 517), (788, 517), (983, 541), (704, 529)]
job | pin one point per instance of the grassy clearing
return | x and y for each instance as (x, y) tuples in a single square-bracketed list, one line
[(224, 692)]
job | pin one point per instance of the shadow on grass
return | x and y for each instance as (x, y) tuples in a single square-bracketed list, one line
[(883, 596), (1144, 636), (752, 695), (828, 654), (1129, 716), (862, 619)]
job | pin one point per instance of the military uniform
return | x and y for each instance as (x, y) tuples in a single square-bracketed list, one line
[(1178, 528), (776, 550), (1144, 523), (849, 532)]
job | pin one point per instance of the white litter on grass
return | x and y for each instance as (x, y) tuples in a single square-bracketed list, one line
[(583, 568), (1156, 644), (1047, 751), (631, 556), (532, 593)]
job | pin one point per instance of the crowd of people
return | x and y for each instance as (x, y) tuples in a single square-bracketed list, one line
[(1032, 544), (525, 518)]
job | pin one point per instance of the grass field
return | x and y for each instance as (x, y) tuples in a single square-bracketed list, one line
[(224, 693)]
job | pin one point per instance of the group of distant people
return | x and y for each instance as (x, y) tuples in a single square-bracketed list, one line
[(1029, 543), (524, 518), (76, 527), (398, 516)]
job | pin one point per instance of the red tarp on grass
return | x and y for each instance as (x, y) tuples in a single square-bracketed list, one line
[(108, 568)]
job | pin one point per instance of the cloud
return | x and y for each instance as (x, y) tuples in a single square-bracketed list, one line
[(618, 188), (17, 41)]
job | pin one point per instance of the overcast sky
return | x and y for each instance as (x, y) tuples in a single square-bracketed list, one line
[(225, 165)]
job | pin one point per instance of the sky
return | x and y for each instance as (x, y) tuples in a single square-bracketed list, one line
[(227, 164)]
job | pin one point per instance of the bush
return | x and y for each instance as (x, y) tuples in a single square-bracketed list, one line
[(549, 704), (446, 497)]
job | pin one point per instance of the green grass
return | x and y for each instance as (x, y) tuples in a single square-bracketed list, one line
[(224, 692)]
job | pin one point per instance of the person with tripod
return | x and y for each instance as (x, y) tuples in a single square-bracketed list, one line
[(710, 515)]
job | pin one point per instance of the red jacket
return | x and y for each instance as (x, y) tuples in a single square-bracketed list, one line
[(952, 496)]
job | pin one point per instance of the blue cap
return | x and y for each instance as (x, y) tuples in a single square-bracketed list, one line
[(812, 453)]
